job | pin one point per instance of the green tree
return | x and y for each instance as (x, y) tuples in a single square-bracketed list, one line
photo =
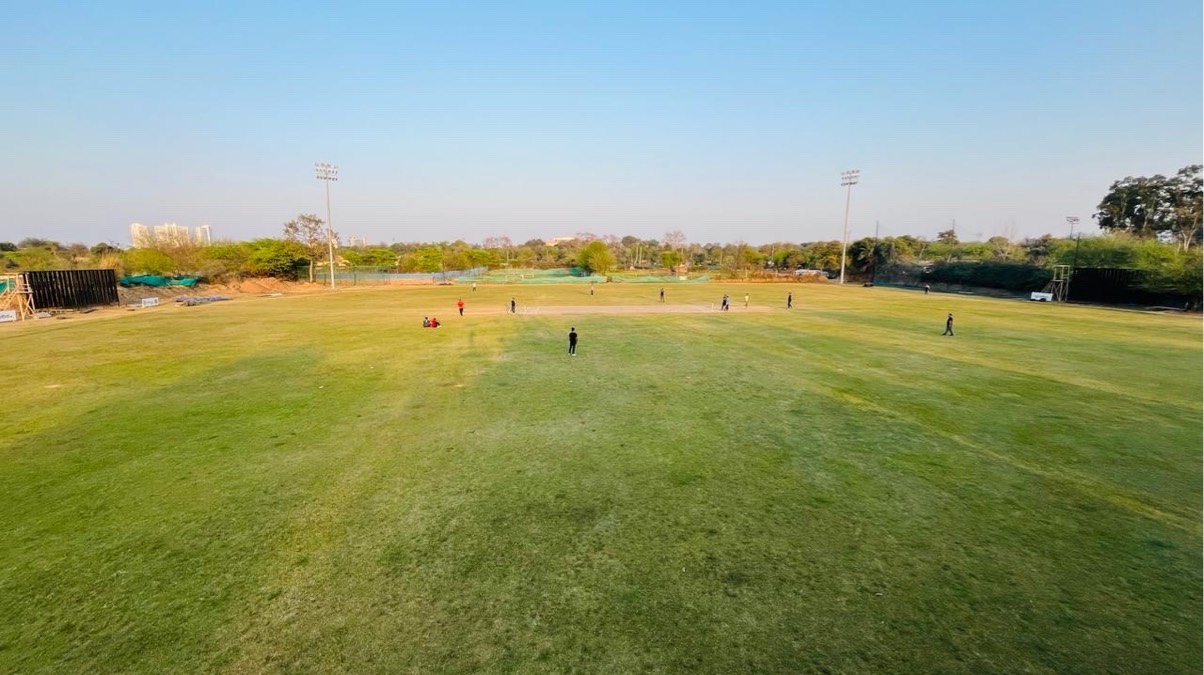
[(428, 259), (905, 247), (1002, 248), (1132, 205), (455, 259), (276, 258), (750, 258), (102, 248), (1037, 249), (1186, 194), (32, 242), (596, 257), (481, 258), (868, 255), (823, 255), (1149, 206)]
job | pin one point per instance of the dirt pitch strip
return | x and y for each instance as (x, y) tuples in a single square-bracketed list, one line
[(618, 309)]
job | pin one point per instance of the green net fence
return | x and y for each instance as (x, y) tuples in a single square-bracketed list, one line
[(571, 276), (157, 281)]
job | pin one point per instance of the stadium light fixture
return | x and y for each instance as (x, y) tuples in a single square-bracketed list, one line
[(849, 179), (327, 172), (1074, 265)]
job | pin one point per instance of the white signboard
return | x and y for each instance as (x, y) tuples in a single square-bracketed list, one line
[(150, 302), (1041, 297), (8, 315)]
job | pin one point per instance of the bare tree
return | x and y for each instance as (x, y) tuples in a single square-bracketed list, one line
[(503, 243), (311, 232), (676, 240)]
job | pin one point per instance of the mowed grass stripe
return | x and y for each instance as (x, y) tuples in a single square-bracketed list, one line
[(1060, 435)]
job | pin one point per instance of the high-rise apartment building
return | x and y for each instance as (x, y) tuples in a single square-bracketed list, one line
[(140, 236), (171, 234)]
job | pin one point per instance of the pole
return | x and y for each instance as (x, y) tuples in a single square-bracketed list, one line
[(844, 248), (874, 255), (850, 179), (327, 172), (329, 234), (1073, 220)]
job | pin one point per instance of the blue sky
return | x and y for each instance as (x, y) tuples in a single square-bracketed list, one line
[(728, 121)]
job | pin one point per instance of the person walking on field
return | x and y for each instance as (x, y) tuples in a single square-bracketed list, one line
[(573, 341), (460, 306), (512, 305), (662, 294), (474, 285), (927, 288), (789, 300), (591, 288), (746, 301), (948, 325), (723, 304)]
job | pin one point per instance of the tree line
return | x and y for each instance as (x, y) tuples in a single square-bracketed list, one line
[(1148, 223)]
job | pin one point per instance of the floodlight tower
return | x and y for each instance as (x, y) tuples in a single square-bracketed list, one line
[(847, 178), (1073, 220), (328, 172)]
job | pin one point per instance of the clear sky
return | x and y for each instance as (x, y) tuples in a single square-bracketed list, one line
[(729, 121)]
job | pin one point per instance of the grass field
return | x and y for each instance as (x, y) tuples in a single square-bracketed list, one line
[(314, 483)]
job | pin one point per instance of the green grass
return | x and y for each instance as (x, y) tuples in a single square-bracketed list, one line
[(316, 484)]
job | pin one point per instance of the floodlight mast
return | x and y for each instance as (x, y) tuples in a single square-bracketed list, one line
[(327, 173), (847, 178), (1072, 221)]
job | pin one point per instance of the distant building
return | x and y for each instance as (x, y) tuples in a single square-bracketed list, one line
[(140, 236), (558, 240), (170, 234)]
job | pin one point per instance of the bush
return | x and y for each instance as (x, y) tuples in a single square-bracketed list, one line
[(1184, 275), (111, 260), (147, 261), (276, 258), (226, 260)]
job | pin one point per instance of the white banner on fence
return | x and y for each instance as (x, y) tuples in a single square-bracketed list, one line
[(150, 302), (8, 315), (1042, 297)]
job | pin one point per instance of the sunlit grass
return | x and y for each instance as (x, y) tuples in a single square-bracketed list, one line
[(317, 484)]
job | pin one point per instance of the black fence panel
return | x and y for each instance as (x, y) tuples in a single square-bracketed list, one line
[(72, 289), (1121, 286)]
